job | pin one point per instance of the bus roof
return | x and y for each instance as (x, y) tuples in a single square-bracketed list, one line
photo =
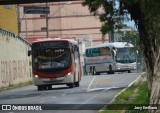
[(55, 39), (113, 44)]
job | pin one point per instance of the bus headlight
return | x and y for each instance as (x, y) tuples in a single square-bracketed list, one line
[(36, 76), (69, 73), (134, 64)]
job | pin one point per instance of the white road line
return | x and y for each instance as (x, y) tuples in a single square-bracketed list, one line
[(90, 84), (126, 87), (136, 79)]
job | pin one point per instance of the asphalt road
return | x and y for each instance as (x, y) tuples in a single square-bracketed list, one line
[(94, 92)]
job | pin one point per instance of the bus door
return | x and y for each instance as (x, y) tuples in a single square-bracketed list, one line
[(76, 61)]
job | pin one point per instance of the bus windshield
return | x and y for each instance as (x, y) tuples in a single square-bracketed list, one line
[(125, 55), (49, 58)]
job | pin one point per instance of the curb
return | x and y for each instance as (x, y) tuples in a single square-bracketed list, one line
[(15, 86), (139, 78)]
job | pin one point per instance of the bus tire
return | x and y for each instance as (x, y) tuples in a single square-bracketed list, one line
[(70, 85), (44, 87), (49, 87), (110, 70), (76, 84), (39, 87), (94, 71), (129, 71), (98, 73)]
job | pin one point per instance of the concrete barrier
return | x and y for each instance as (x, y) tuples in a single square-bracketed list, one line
[(14, 61)]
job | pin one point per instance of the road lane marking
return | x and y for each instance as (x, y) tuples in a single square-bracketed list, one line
[(127, 87), (99, 82), (90, 84), (104, 89)]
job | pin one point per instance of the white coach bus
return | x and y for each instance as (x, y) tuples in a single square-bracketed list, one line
[(110, 58)]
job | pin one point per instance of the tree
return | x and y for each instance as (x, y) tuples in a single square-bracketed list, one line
[(132, 37), (146, 15)]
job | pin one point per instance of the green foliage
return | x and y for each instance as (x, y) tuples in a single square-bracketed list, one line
[(145, 13), (146, 16), (110, 16), (133, 37), (136, 94)]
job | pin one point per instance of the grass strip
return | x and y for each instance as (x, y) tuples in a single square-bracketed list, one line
[(137, 94)]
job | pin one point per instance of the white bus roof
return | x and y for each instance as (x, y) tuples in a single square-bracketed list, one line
[(113, 44)]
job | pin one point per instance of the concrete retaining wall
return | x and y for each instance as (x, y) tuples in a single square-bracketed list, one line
[(14, 60)]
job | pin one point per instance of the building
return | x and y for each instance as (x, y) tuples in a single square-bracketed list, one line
[(120, 34), (8, 20), (68, 19)]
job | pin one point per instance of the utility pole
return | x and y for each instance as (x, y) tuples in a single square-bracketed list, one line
[(26, 26), (48, 17), (47, 29), (19, 23)]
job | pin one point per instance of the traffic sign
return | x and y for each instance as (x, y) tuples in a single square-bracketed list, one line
[(36, 10)]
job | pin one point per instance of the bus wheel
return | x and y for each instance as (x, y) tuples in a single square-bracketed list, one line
[(44, 87), (94, 71), (98, 73), (110, 70), (70, 85), (39, 87), (49, 87), (76, 84), (129, 71)]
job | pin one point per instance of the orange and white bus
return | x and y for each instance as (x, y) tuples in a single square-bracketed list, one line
[(55, 62)]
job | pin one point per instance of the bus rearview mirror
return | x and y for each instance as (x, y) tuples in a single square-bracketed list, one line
[(72, 50), (29, 52)]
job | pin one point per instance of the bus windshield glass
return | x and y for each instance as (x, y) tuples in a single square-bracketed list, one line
[(125, 55), (49, 58), (94, 52)]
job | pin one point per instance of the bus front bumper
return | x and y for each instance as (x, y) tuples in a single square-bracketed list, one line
[(54, 81), (125, 68)]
